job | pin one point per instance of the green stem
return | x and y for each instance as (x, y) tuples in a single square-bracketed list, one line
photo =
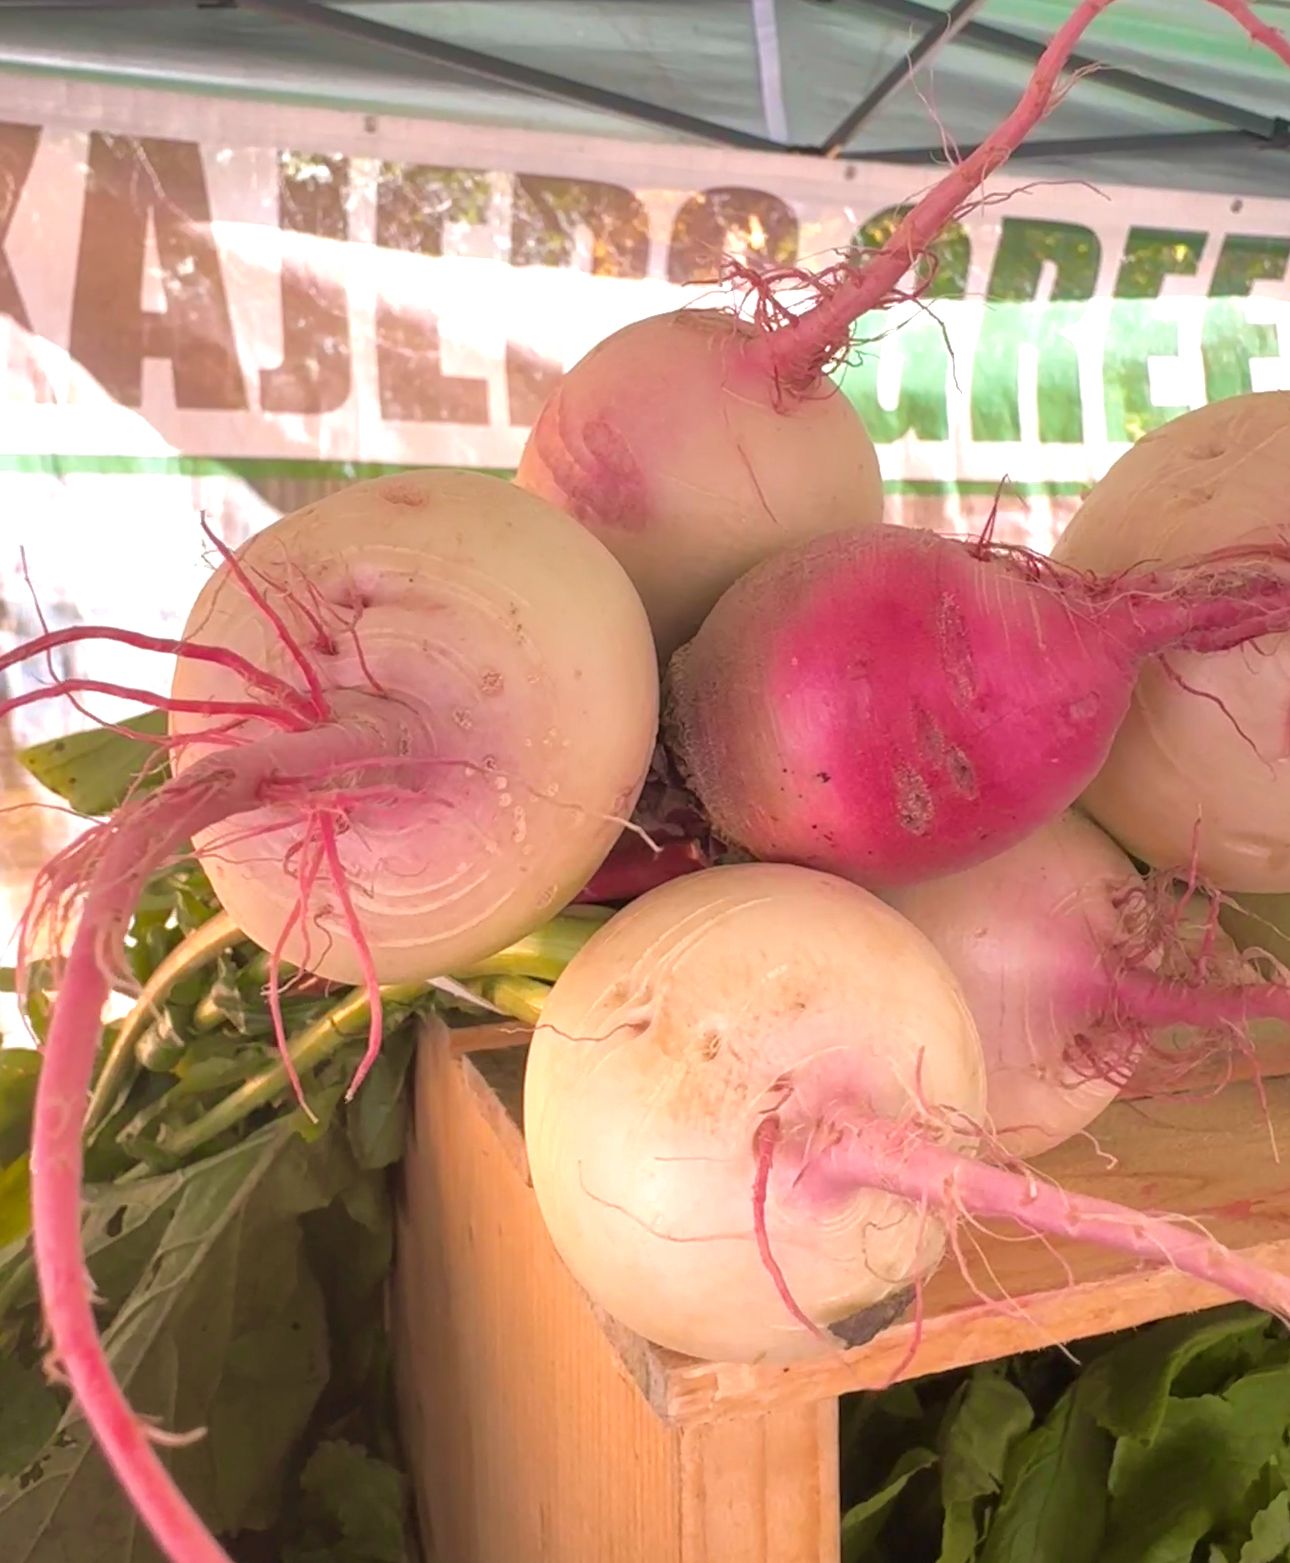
[(520, 997), (341, 1024), (545, 952), (208, 1016), (203, 945)]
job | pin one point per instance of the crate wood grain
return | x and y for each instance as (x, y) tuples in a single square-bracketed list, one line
[(540, 1431)]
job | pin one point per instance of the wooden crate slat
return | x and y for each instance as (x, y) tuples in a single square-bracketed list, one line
[(1209, 1159), (526, 1434)]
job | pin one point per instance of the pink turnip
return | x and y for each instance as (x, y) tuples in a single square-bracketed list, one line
[(891, 705)]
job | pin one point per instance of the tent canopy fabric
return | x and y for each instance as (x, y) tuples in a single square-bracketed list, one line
[(1186, 101)]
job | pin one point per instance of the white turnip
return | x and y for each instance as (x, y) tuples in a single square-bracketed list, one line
[(1074, 969), (753, 1104), (1200, 768)]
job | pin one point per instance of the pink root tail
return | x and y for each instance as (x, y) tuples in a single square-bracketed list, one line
[(1154, 1002), (903, 1162), (138, 839), (796, 353), (1212, 604)]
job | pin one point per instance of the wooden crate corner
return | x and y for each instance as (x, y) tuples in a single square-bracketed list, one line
[(541, 1431)]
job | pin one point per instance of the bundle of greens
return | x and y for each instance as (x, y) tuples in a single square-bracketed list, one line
[(1169, 1444), (240, 1255)]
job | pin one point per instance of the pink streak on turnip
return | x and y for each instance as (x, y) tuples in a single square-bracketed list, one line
[(891, 705)]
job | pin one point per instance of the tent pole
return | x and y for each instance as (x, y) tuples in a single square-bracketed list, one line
[(995, 40), (421, 46), (769, 72), (942, 29)]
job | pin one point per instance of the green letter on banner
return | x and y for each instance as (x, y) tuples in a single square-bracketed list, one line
[(1133, 335), (1229, 340), (1013, 317), (924, 354)]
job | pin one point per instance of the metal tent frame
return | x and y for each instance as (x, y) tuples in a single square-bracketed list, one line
[(958, 26)]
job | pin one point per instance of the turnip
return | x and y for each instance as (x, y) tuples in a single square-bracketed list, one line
[(683, 453), (891, 705), (1200, 768), (1073, 967), (753, 1108), (429, 701), (695, 443)]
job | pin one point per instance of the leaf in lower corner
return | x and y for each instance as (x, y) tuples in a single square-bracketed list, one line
[(15, 1201), (19, 1074), (377, 1117), (221, 1327), (1053, 1505), (1168, 1496), (862, 1523), (1269, 1533), (352, 1509), (1129, 1387), (29, 1413), (350, 1246)]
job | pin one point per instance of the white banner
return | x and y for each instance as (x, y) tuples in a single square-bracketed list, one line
[(224, 306)]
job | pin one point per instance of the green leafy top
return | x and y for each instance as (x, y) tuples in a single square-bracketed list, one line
[(1171, 1444), (242, 1285)]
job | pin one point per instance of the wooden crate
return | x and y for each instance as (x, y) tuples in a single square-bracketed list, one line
[(540, 1431)]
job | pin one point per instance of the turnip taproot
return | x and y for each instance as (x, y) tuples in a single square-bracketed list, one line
[(891, 705), (1201, 764), (753, 1106), (429, 701), (1072, 966), (695, 443)]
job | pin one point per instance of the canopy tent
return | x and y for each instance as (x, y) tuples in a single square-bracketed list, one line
[(1183, 99)]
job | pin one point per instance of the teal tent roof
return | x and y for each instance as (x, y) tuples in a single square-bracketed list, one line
[(1189, 102)]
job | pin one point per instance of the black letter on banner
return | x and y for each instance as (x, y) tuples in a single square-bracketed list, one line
[(547, 219), (131, 183), (765, 227), (17, 153)]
